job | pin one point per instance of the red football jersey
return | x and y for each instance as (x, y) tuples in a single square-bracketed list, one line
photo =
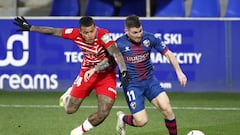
[(93, 53)]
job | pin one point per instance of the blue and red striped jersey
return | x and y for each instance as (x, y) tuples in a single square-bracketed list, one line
[(137, 56)]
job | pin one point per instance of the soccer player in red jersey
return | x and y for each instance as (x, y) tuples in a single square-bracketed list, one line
[(97, 47)]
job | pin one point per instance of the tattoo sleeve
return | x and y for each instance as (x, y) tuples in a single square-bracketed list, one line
[(47, 30), (114, 51), (104, 64)]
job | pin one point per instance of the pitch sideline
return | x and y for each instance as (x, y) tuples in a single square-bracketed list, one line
[(124, 107)]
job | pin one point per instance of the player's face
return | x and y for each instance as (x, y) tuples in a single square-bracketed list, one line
[(88, 33), (135, 34)]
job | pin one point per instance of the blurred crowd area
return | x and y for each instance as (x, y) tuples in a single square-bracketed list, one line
[(143, 8)]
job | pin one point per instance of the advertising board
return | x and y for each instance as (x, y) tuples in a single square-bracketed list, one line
[(205, 49)]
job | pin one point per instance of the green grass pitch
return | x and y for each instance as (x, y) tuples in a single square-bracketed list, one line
[(37, 113)]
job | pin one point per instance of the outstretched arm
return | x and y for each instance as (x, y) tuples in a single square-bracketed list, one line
[(24, 25), (47, 30), (181, 76)]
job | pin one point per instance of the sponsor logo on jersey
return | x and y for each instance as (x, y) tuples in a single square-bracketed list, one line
[(68, 31), (138, 58), (106, 38)]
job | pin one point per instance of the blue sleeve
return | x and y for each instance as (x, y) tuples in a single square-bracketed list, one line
[(120, 44), (158, 44)]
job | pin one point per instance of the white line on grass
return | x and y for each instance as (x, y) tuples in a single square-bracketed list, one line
[(124, 107)]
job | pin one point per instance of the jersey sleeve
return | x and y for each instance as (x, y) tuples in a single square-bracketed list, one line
[(105, 38), (70, 33), (159, 45)]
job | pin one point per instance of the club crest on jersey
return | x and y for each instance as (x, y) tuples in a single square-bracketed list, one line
[(133, 105), (146, 43), (106, 38)]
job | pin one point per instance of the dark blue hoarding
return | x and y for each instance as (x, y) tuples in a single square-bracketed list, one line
[(206, 50)]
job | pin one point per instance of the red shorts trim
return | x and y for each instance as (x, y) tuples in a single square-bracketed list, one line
[(102, 83)]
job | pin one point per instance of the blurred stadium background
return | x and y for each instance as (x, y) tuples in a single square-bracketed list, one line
[(44, 7)]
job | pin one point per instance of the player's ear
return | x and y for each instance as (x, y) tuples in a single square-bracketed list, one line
[(126, 30)]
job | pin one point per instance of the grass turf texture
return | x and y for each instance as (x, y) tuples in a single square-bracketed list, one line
[(37, 113)]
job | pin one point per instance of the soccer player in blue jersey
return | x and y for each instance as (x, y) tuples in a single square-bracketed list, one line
[(136, 46)]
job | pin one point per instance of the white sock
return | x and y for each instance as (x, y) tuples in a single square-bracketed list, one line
[(86, 125)]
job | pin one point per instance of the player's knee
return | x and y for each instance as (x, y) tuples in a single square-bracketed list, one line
[(70, 110), (140, 122), (168, 113)]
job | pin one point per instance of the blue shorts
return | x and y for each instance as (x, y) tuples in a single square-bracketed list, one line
[(136, 92)]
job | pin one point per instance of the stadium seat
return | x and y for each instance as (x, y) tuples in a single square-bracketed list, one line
[(205, 8), (65, 8), (129, 7), (233, 8), (100, 8), (170, 8)]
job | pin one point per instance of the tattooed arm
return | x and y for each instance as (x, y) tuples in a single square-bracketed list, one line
[(114, 51), (123, 75), (24, 25), (47, 30), (104, 64)]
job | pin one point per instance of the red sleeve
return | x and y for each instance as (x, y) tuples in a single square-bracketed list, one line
[(70, 33), (105, 38)]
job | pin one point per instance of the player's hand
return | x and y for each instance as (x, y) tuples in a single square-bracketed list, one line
[(182, 78), (124, 78), (22, 23), (88, 74)]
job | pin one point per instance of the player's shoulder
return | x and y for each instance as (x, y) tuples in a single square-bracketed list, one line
[(122, 38), (102, 30), (148, 34), (71, 30)]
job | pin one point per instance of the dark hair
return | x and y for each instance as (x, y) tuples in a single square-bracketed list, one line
[(132, 21), (86, 21)]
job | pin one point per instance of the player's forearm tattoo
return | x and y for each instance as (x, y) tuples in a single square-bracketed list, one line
[(114, 51), (47, 30), (44, 30), (104, 64)]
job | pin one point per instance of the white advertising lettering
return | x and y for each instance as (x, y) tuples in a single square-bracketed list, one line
[(166, 85), (115, 36), (170, 38), (183, 58), (73, 57), (26, 81), (23, 38), (167, 38)]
